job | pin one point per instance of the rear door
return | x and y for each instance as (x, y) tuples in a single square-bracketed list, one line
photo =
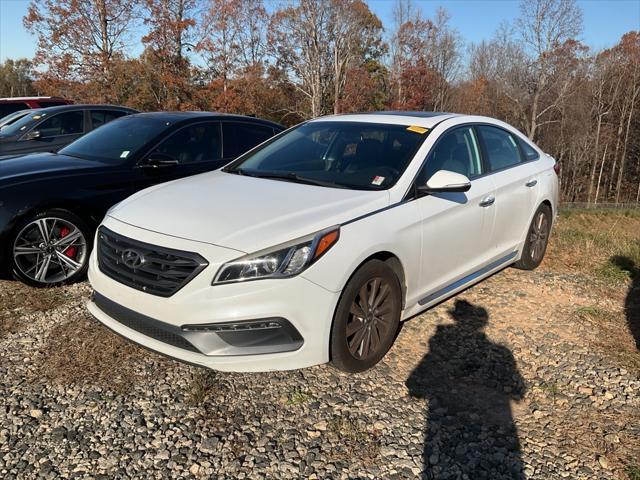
[(516, 186), (240, 137)]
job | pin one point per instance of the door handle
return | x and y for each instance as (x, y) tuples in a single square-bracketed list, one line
[(488, 200), (531, 183)]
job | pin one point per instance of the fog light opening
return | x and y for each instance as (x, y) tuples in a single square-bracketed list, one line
[(234, 327)]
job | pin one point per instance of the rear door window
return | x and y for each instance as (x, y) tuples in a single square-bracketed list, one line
[(501, 146), (241, 137), (67, 123), (193, 144), (100, 117)]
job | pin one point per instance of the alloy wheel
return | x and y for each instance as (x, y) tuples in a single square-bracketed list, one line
[(538, 237), (370, 318), (49, 250)]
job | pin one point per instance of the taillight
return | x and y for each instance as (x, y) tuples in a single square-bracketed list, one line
[(556, 168)]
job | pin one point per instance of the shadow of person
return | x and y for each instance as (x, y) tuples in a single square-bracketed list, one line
[(632, 300), (469, 382)]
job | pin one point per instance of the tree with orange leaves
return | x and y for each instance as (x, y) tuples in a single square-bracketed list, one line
[(78, 41)]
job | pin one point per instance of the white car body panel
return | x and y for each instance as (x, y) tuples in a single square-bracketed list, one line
[(443, 242)]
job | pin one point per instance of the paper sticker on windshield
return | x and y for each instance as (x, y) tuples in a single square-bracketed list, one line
[(124, 154), (417, 129), (377, 180)]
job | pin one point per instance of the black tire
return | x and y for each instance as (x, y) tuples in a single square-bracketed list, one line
[(537, 239), (379, 321), (27, 237)]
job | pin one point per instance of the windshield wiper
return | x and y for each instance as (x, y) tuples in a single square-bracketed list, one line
[(292, 177)]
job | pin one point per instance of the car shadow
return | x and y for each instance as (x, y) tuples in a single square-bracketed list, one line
[(632, 300), (469, 383)]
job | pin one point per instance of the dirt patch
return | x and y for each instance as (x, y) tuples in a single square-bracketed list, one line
[(82, 351), (18, 300)]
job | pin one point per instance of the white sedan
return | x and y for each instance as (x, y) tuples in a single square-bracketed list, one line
[(315, 245)]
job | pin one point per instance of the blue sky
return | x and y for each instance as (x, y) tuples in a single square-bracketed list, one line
[(604, 20)]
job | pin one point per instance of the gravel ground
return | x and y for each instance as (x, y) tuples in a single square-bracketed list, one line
[(514, 378)]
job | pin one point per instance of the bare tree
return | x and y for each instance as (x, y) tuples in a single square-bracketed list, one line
[(544, 26)]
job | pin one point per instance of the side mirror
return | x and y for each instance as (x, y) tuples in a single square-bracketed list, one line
[(157, 160), (32, 135), (446, 181)]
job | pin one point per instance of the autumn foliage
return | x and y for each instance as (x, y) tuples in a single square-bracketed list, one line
[(303, 58)]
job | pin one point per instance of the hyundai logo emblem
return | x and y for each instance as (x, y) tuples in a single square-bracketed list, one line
[(132, 258)]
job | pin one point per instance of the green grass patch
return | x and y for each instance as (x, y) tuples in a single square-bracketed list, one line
[(298, 397), (633, 472), (593, 311), (604, 244), (550, 388)]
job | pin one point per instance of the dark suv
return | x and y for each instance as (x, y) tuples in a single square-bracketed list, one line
[(50, 129), (52, 203), (13, 104)]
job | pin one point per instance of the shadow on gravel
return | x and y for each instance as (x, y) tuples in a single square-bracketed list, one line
[(632, 302), (469, 382)]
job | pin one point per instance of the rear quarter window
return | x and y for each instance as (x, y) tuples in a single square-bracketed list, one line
[(530, 153)]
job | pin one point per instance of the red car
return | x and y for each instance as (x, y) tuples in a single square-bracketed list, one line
[(14, 104)]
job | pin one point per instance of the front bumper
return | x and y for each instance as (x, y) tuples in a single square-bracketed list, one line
[(304, 310)]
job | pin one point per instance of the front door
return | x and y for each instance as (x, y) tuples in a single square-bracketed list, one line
[(456, 227), (193, 149)]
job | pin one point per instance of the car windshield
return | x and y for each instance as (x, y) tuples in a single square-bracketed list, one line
[(341, 154), (13, 117), (118, 140), (23, 123)]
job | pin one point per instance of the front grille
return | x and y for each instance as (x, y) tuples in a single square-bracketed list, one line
[(142, 324), (157, 270)]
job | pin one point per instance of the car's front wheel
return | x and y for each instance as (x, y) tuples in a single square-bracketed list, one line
[(535, 245), (367, 318), (50, 248)]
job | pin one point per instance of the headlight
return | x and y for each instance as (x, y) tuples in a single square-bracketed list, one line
[(281, 261)]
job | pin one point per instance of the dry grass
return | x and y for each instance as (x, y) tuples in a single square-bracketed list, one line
[(589, 241), (614, 339), (603, 245), (18, 300), (355, 439), (82, 351)]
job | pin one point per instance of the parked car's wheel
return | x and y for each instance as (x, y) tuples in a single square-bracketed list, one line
[(535, 245), (50, 248), (366, 318)]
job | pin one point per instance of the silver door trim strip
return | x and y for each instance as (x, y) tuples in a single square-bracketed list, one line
[(468, 279)]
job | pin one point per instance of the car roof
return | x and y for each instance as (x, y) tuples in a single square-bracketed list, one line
[(184, 116), (423, 119), (21, 99), (76, 106)]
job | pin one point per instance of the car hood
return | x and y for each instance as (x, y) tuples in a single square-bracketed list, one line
[(17, 168), (243, 213)]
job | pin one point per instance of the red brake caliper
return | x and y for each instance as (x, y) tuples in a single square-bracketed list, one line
[(71, 251)]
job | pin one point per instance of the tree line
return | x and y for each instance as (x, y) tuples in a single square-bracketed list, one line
[(305, 58)]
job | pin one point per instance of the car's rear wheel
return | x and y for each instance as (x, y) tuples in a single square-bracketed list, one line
[(535, 245), (367, 318), (50, 248)]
